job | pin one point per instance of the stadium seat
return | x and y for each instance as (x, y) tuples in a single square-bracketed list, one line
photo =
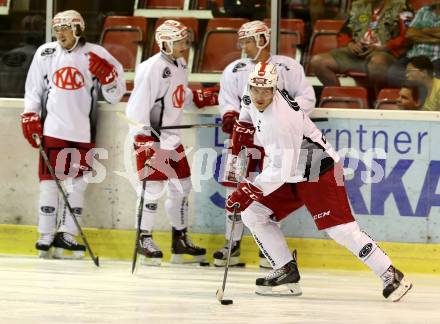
[(387, 99), (292, 36), (124, 37), (344, 97), (204, 4), (161, 4), (328, 25), (234, 23), (193, 25), (214, 59), (321, 42)]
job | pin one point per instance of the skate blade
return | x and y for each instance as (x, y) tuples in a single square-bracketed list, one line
[(155, 262), (291, 289), (401, 291), (222, 263), (61, 253), (265, 264), (45, 254), (187, 259)]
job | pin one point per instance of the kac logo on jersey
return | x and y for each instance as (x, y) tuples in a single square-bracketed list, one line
[(68, 78), (179, 96)]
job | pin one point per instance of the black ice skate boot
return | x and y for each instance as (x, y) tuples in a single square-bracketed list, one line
[(150, 252), (44, 244), (281, 282), (395, 286), (182, 246), (65, 241), (221, 255), (264, 264)]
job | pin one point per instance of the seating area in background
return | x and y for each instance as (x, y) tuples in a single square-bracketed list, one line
[(130, 39)]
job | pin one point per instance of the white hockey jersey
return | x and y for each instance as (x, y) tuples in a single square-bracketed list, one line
[(280, 129), (60, 87), (160, 93), (291, 78)]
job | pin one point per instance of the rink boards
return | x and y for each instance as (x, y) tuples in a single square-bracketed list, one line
[(401, 207)]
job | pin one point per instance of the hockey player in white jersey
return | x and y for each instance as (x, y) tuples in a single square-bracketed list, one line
[(254, 39), (158, 98), (280, 128), (62, 88)]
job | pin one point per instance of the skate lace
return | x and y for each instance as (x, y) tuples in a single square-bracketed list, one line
[(45, 239), (148, 243), (388, 277), (189, 243), (274, 273), (70, 239)]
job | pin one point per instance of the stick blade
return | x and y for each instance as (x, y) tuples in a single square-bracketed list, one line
[(219, 294), (226, 302)]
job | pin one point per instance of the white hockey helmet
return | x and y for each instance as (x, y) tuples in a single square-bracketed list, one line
[(71, 18), (169, 32), (255, 29), (264, 75)]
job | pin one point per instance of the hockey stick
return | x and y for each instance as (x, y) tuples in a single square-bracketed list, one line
[(138, 229), (220, 292), (66, 201), (145, 127)]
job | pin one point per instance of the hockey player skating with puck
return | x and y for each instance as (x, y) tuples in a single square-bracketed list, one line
[(254, 39), (158, 98), (62, 88), (280, 128)]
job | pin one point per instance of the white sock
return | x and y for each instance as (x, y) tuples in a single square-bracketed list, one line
[(47, 207)]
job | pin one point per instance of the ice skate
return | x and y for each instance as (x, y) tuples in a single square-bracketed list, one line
[(221, 255), (44, 245), (183, 250), (281, 282), (149, 251), (66, 241), (395, 286), (263, 263)]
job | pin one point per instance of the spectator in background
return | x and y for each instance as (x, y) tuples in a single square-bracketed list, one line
[(420, 69), (15, 63), (370, 40), (424, 34), (411, 96)]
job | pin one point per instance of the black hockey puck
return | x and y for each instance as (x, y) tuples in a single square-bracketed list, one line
[(226, 302), (204, 264)]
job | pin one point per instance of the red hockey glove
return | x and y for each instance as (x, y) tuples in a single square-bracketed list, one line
[(205, 97), (242, 135), (228, 121), (31, 124), (101, 68), (243, 196), (144, 150)]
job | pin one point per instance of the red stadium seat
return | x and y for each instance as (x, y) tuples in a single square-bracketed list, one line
[(328, 25), (214, 59), (234, 23), (417, 4), (204, 4), (387, 99), (124, 37), (161, 4), (344, 97), (321, 42), (292, 33)]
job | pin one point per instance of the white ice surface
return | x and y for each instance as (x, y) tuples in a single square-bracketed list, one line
[(64, 291)]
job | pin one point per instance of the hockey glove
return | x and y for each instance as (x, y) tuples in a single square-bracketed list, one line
[(31, 124), (144, 150), (228, 121), (205, 97), (243, 196), (242, 136), (102, 69)]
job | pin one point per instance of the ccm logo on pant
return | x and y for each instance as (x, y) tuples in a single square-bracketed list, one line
[(321, 215)]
